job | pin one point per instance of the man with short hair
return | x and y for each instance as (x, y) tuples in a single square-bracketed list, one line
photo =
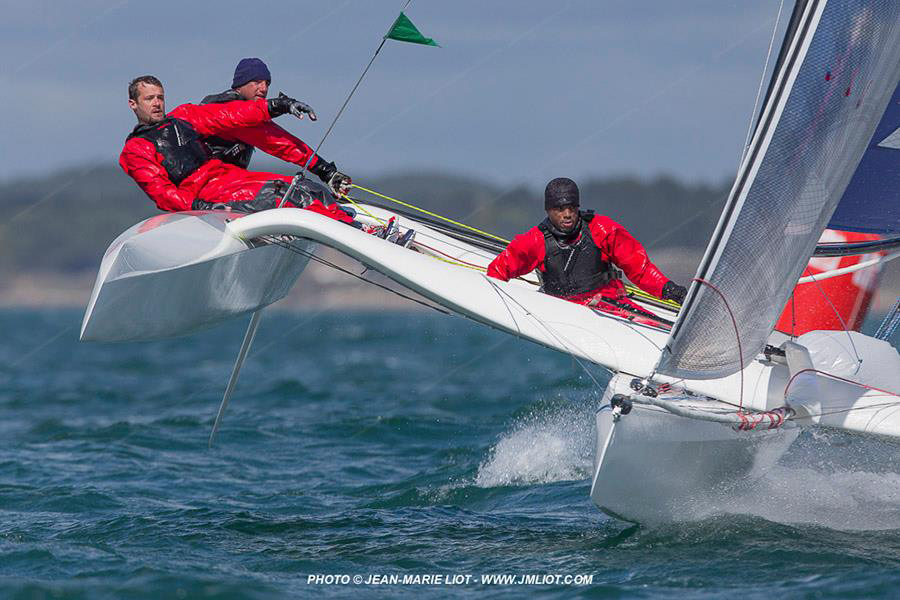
[(167, 157), (251, 82), (577, 252)]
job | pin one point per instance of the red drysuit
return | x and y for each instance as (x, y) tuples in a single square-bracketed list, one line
[(528, 251), (169, 161)]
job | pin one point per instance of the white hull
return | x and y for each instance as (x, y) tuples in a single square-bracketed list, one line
[(198, 269), (182, 272), (650, 463)]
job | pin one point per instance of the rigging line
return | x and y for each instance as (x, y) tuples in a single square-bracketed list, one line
[(841, 319), (505, 304), (60, 41), (660, 92), (360, 208), (793, 316), (854, 408), (70, 181), (299, 175), (630, 288), (886, 330), (40, 347), (557, 337), (737, 336), (258, 350), (431, 214), (451, 259), (670, 230), (762, 78), (289, 246), (447, 374), (301, 32), (344, 105), (838, 378), (453, 79), (647, 101)]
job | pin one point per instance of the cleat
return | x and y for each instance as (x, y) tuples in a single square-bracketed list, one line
[(407, 238), (390, 230)]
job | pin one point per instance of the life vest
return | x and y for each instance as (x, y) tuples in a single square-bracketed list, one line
[(576, 268), (229, 151), (182, 147)]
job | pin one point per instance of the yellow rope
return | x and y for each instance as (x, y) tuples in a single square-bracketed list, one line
[(360, 208), (630, 288), (431, 214), (458, 264)]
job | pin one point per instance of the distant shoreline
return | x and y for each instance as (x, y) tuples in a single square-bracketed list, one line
[(332, 290)]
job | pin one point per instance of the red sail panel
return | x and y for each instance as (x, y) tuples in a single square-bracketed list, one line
[(835, 303)]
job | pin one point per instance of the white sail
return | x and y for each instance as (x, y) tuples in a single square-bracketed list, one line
[(827, 97)]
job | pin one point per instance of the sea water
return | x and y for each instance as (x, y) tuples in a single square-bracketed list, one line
[(398, 454)]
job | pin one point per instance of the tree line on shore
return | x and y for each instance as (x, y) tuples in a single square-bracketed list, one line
[(64, 221)]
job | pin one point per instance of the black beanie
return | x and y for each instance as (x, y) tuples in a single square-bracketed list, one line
[(560, 192)]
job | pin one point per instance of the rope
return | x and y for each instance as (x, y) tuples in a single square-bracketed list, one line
[(452, 260), (838, 378), (889, 325), (431, 214), (737, 336), (840, 319), (549, 330), (762, 78), (632, 290), (360, 208)]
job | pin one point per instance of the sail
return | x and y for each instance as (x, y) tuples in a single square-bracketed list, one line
[(841, 65), (872, 200)]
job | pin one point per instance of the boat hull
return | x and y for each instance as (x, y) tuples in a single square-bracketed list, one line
[(179, 273), (650, 464)]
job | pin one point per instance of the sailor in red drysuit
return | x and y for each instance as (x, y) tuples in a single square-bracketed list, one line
[(251, 82), (577, 252), (167, 157)]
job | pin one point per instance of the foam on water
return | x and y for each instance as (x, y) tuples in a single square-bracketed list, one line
[(821, 481), (816, 488), (542, 448)]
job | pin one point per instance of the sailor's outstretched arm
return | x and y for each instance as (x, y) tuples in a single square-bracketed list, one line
[(214, 119), (275, 141)]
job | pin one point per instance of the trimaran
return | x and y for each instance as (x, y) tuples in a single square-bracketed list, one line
[(712, 399)]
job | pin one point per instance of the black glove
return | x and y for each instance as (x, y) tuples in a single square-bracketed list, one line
[(340, 184), (283, 105), (673, 291), (327, 172)]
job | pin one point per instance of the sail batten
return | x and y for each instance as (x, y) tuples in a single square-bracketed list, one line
[(830, 91)]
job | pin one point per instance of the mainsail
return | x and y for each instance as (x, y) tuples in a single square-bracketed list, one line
[(840, 66)]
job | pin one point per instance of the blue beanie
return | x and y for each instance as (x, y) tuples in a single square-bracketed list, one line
[(250, 69)]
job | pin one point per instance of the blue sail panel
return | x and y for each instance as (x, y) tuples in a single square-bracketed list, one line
[(872, 200)]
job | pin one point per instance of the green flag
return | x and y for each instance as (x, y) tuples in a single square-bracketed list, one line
[(403, 30)]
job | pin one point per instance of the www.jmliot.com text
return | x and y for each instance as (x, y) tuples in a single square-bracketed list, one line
[(450, 579)]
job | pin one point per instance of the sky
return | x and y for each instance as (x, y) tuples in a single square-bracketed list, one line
[(519, 91)]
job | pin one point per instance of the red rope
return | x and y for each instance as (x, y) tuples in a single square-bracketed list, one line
[(737, 336), (862, 385), (751, 421)]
